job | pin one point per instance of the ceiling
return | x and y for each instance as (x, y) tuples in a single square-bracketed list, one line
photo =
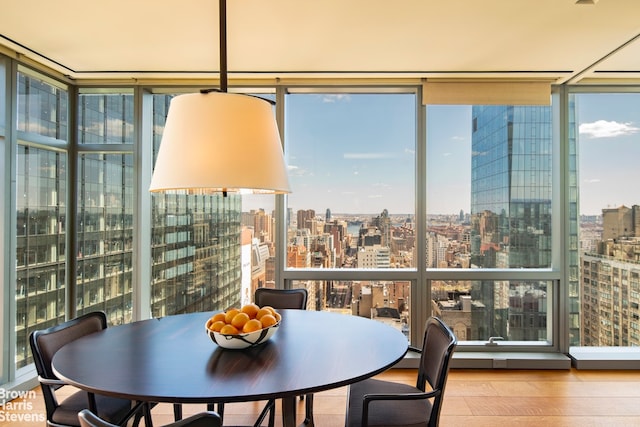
[(555, 39)]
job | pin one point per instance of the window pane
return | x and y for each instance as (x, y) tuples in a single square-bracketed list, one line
[(42, 107), (384, 301), (511, 310), (489, 191), (496, 213), (199, 246), (105, 118), (609, 150), (258, 245), (41, 231), (105, 235), (352, 173), (3, 95)]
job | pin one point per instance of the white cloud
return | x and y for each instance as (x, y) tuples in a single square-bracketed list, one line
[(298, 171), (382, 185), (368, 156), (335, 98), (592, 180), (607, 129), (447, 154)]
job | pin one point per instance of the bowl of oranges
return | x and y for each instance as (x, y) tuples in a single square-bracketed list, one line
[(244, 327)]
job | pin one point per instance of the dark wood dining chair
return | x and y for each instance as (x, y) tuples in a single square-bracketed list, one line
[(282, 299), (44, 344), (203, 419), (374, 402)]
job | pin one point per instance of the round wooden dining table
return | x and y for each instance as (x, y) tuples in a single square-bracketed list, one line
[(172, 359)]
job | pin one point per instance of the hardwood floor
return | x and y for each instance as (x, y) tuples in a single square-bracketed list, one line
[(474, 398)]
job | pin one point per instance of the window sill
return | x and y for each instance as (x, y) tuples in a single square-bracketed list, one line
[(605, 357), (497, 360)]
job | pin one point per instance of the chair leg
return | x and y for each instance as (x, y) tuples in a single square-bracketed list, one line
[(142, 409), (308, 410), (137, 415), (147, 415), (177, 412), (272, 415), (220, 410), (270, 408)]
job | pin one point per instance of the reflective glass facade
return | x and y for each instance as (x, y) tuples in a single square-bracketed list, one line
[(105, 118), (41, 211), (195, 243), (510, 209), (105, 236)]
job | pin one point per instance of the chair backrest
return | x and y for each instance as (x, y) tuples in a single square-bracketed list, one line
[(89, 419), (202, 419), (281, 298), (437, 349), (46, 342)]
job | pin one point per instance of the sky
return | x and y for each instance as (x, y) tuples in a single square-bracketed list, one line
[(608, 151), (355, 153), (351, 153)]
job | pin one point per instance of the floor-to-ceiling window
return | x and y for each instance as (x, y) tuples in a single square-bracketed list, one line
[(5, 215), (607, 133), (41, 213), (489, 206), (104, 214), (352, 160)]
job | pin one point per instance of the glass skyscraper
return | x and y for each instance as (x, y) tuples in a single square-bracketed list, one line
[(511, 184)]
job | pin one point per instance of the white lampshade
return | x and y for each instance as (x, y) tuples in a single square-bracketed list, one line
[(220, 142)]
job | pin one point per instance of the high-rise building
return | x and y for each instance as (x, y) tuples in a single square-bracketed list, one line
[(610, 290), (621, 222), (510, 211), (305, 218), (610, 285), (374, 256)]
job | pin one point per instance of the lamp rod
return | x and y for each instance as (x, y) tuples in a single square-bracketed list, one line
[(223, 45), (224, 81)]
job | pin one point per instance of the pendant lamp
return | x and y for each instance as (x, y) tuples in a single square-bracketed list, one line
[(219, 142)]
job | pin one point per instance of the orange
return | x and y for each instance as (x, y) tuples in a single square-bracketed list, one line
[(218, 316), (271, 309), (268, 320), (262, 312), (239, 320), (217, 325), (229, 315), (250, 309), (229, 330), (252, 325), (277, 316), (209, 323)]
